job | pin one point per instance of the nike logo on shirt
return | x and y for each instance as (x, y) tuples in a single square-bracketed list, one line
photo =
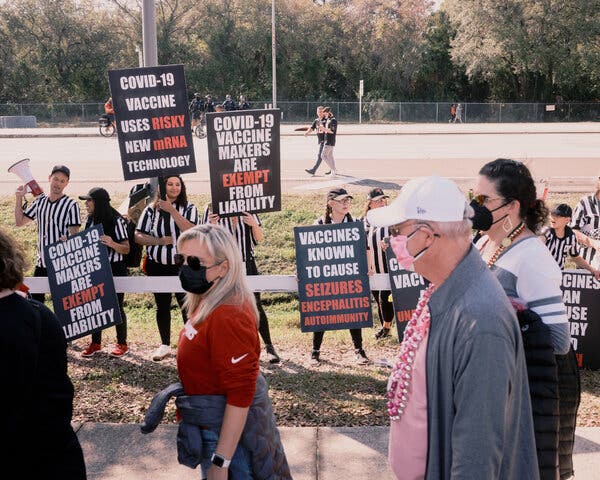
[(236, 360)]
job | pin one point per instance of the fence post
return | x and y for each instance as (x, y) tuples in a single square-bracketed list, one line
[(465, 113), (437, 112), (400, 111), (500, 113)]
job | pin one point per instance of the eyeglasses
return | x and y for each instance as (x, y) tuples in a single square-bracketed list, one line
[(395, 230), (483, 199), (193, 262)]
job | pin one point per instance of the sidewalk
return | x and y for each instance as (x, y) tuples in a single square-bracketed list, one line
[(121, 452), (357, 129)]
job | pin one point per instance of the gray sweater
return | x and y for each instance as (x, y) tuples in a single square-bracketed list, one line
[(479, 414)]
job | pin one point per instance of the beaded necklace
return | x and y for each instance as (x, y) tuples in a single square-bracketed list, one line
[(506, 243), (401, 377)]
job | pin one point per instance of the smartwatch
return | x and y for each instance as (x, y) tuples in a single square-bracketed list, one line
[(219, 460)]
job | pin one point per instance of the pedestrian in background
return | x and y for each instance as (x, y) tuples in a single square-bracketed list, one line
[(317, 126), (330, 129), (36, 406)]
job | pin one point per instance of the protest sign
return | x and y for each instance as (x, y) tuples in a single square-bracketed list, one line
[(406, 289), (244, 161), (81, 284), (581, 295), (333, 283), (153, 123)]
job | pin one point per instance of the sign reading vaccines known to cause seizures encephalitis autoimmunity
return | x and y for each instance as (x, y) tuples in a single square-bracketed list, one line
[(244, 161), (333, 280), (153, 123), (81, 284)]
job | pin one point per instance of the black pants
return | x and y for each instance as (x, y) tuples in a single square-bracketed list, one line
[(39, 272), (119, 269), (319, 157), (385, 308), (263, 322), (355, 333), (569, 391), (163, 300)]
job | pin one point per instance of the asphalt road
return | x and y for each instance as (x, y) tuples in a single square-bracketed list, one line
[(567, 156)]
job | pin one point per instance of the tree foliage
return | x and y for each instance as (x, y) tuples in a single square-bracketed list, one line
[(61, 50)]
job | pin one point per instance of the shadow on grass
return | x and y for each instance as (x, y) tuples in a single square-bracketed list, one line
[(347, 397)]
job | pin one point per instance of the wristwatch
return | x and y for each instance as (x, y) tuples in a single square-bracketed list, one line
[(219, 460)]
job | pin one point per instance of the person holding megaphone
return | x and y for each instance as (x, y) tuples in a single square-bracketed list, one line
[(57, 216)]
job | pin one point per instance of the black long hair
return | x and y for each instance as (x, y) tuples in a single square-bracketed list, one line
[(181, 200), (513, 181), (105, 215)]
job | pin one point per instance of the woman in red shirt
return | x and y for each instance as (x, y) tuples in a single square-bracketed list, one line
[(219, 349)]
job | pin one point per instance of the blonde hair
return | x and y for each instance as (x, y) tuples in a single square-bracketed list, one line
[(232, 288)]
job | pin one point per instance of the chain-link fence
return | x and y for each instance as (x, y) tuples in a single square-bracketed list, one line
[(348, 112)]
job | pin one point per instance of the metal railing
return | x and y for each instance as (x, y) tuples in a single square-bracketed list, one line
[(372, 112)]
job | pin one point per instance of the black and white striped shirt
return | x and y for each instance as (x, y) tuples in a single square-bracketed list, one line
[(53, 221), (586, 218), (374, 237), (120, 234), (561, 247), (243, 234), (322, 221), (164, 254)]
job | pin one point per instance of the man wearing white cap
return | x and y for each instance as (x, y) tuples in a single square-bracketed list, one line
[(458, 394)]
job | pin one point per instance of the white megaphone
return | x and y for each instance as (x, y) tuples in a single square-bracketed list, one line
[(21, 168)]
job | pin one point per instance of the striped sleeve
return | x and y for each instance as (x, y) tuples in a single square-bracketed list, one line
[(191, 213), (579, 215), (121, 229), (74, 216), (204, 218), (32, 211), (145, 222), (574, 250)]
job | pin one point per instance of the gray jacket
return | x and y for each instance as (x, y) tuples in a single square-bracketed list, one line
[(260, 436), (478, 408)]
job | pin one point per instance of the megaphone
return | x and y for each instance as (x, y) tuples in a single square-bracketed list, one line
[(21, 168)]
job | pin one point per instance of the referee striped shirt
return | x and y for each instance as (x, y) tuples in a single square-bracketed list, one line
[(53, 221), (586, 218), (374, 237), (118, 235), (561, 247), (243, 234), (164, 254)]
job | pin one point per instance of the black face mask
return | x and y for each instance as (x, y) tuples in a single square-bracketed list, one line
[(483, 218), (194, 281)]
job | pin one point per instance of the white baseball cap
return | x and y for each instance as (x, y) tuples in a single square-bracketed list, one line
[(431, 198)]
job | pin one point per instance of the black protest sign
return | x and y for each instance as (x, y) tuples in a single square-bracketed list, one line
[(406, 289), (581, 295), (81, 284), (333, 283), (153, 123), (244, 161)]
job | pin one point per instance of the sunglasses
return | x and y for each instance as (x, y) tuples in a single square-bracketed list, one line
[(343, 201), (193, 262), (483, 199)]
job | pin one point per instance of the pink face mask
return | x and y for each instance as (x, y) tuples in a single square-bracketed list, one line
[(400, 249)]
